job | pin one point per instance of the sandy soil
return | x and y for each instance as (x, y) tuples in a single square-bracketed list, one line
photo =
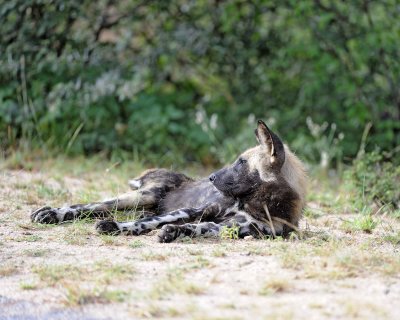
[(69, 272)]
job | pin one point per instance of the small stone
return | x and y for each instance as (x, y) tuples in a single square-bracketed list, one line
[(247, 238)]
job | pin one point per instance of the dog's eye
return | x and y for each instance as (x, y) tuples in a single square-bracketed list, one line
[(241, 161)]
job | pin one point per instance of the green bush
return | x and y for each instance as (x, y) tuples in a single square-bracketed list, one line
[(377, 180), (168, 80)]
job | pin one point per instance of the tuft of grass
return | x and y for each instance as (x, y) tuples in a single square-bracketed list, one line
[(110, 273), (53, 274), (35, 253), (78, 233), (199, 263), (229, 233), (110, 240), (7, 270), (18, 160), (154, 311), (396, 214), (151, 312), (293, 260), (218, 253), (364, 223), (312, 213), (194, 252), (30, 238), (275, 285), (315, 237), (101, 272), (355, 261), (393, 238), (77, 295), (28, 286), (46, 192), (136, 244), (228, 305), (354, 309), (174, 283), (257, 251), (152, 256)]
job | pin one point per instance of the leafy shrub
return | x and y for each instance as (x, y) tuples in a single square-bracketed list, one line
[(377, 180), (131, 77)]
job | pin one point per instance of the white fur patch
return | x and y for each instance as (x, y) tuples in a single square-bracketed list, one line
[(270, 178), (135, 184)]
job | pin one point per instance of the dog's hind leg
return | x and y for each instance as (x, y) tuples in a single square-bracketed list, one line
[(134, 200), (145, 225)]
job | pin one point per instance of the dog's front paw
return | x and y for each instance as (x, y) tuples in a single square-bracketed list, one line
[(45, 215), (168, 233), (107, 227)]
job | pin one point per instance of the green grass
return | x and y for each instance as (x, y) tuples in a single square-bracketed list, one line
[(28, 286), (229, 233), (136, 244), (78, 232), (200, 262), (393, 238), (76, 295), (365, 223), (53, 274), (31, 238)]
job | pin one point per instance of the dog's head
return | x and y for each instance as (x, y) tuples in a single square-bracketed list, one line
[(253, 167)]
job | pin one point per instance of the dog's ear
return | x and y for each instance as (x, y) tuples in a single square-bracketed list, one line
[(272, 143)]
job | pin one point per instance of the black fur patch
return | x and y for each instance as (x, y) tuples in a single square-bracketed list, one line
[(107, 227), (279, 198), (76, 206), (69, 216)]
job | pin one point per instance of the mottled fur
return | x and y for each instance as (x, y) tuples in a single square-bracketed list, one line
[(262, 193)]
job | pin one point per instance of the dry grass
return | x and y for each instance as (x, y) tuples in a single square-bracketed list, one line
[(151, 256), (275, 285), (101, 272), (7, 270), (78, 295), (174, 283)]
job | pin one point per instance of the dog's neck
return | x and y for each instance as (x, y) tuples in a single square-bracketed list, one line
[(274, 196)]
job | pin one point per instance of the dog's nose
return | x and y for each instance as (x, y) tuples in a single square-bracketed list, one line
[(212, 177)]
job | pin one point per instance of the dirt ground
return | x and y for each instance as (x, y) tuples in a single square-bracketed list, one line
[(332, 269)]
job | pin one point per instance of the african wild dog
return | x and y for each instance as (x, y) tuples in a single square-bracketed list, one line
[(262, 192)]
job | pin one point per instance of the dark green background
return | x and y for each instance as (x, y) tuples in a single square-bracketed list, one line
[(180, 81)]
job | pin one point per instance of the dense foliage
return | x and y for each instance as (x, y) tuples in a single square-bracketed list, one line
[(184, 80), (376, 180)]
